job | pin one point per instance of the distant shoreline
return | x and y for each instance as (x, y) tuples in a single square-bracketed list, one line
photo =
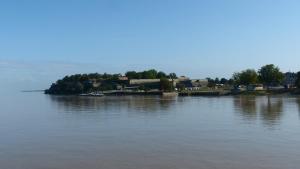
[(266, 81), (197, 93)]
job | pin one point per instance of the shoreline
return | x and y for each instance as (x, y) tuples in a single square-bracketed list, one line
[(197, 93)]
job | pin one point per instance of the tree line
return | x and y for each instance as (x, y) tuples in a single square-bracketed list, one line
[(149, 74), (268, 75)]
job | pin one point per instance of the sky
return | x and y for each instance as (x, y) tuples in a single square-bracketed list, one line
[(43, 40)]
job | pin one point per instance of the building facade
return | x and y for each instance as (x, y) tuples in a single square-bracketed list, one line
[(289, 79)]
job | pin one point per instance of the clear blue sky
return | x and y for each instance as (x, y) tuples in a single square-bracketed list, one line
[(42, 40)]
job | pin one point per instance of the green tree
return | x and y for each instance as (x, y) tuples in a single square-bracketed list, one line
[(149, 74), (211, 82), (166, 85), (297, 83), (78, 87), (131, 74), (161, 74), (172, 76), (217, 80), (245, 77), (270, 75), (230, 81), (223, 81)]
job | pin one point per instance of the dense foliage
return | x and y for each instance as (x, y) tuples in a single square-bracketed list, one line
[(298, 80), (166, 85), (149, 74), (270, 75), (217, 81), (82, 83), (246, 77)]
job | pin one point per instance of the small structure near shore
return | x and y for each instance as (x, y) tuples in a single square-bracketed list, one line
[(169, 94), (255, 87)]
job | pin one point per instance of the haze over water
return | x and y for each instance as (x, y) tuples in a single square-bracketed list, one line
[(146, 132)]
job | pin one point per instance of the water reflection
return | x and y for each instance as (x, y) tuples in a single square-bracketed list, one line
[(246, 106), (146, 132), (297, 100), (269, 109), (144, 104)]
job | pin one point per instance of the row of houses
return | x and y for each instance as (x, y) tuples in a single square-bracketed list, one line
[(185, 83), (289, 81), (179, 83), (197, 84)]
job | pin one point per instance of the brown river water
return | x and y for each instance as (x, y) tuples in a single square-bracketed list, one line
[(149, 132)]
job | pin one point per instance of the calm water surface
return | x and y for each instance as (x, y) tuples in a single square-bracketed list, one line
[(135, 132)]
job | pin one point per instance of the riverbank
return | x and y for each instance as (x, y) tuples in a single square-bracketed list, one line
[(204, 93)]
